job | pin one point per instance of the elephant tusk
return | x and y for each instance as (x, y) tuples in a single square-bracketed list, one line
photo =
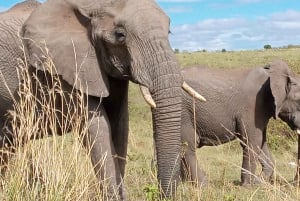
[(192, 92), (298, 131), (147, 96)]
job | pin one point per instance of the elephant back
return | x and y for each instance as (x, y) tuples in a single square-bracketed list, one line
[(214, 80), (11, 53), (21, 10)]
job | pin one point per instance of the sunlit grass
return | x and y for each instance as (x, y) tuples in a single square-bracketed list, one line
[(58, 168), (49, 168), (241, 59)]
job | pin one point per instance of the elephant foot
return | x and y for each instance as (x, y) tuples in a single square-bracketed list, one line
[(258, 181), (255, 180), (267, 176), (114, 197), (200, 183), (110, 192)]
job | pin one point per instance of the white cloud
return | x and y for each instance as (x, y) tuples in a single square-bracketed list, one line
[(285, 22), (278, 29)]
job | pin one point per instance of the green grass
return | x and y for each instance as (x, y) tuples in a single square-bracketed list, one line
[(241, 58), (58, 168), (222, 163)]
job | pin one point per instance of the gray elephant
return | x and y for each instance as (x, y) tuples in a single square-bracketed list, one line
[(10, 23), (101, 45), (239, 104)]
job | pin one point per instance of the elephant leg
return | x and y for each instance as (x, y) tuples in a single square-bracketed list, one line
[(99, 143), (7, 147), (190, 169), (266, 160), (5, 155), (116, 107), (297, 176), (248, 166), (120, 143), (251, 143)]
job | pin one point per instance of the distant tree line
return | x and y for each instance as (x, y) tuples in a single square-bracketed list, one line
[(266, 47), (283, 47)]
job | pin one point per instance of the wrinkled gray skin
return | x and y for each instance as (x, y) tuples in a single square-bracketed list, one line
[(114, 41), (10, 49), (239, 105)]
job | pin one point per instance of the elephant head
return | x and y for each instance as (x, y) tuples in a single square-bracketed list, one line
[(285, 88), (124, 39)]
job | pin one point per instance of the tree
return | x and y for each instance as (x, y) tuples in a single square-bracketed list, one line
[(176, 50), (267, 46)]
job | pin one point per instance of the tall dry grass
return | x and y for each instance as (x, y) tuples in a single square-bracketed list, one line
[(56, 167)]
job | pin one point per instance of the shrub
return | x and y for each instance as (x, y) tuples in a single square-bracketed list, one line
[(267, 47)]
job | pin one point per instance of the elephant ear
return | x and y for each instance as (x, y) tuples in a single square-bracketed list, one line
[(57, 29), (280, 79)]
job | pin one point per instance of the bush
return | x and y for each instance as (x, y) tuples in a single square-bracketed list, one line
[(176, 51), (267, 47)]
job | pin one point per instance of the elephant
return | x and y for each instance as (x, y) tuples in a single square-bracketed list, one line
[(240, 103), (10, 22), (97, 47)]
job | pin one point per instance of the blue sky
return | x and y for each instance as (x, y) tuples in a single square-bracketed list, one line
[(229, 24)]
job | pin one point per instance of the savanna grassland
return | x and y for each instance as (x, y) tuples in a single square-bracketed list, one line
[(57, 168)]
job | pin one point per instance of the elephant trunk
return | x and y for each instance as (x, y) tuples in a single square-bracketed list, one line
[(167, 128), (166, 92), (160, 73)]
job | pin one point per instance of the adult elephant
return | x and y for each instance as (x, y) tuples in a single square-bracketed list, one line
[(96, 47), (239, 105), (10, 23)]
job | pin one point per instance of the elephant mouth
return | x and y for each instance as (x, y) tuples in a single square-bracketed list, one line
[(294, 127), (148, 97), (289, 118)]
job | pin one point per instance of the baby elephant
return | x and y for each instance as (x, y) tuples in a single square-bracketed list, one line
[(239, 105)]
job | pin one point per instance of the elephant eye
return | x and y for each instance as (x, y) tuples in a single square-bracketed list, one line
[(120, 35)]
